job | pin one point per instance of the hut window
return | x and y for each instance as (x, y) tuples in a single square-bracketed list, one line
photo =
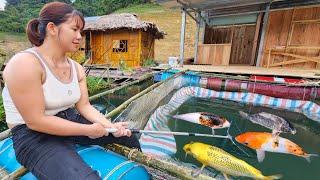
[(120, 46)]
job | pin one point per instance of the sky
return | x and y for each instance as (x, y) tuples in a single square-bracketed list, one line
[(2, 2)]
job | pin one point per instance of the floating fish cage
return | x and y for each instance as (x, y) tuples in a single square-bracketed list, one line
[(292, 100), (221, 120)]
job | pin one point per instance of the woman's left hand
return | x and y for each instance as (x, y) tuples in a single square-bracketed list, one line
[(122, 129)]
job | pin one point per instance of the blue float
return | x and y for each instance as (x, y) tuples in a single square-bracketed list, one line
[(108, 164)]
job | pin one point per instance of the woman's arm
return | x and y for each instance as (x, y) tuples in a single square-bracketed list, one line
[(90, 113), (83, 105), (23, 78)]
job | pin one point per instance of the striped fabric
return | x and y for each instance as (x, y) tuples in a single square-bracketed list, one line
[(165, 145)]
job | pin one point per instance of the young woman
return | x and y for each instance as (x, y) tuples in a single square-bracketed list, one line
[(42, 90)]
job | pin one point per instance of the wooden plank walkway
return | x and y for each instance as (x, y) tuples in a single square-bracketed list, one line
[(248, 70)]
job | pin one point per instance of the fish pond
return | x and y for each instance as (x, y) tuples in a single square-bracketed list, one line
[(291, 167)]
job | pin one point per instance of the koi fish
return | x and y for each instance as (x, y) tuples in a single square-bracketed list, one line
[(222, 161), (275, 123), (263, 141), (204, 118)]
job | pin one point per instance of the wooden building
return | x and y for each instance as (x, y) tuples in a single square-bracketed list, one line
[(282, 33), (120, 38)]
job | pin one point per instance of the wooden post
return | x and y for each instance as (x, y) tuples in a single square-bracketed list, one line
[(255, 41), (182, 35), (264, 28), (197, 39), (202, 26)]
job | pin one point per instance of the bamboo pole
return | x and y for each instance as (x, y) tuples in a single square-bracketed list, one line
[(96, 96), (150, 88), (5, 134), (15, 174), (3, 173), (169, 167)]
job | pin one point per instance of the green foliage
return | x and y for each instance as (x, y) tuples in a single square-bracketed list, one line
[(96, 84), (2, 114), (17, 13), (149, 63), (124, 67)]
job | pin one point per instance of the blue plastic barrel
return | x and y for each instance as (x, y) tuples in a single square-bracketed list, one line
[(108, 164), (189, 78)]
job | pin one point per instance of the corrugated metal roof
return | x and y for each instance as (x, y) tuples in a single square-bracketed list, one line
[(233, 4)]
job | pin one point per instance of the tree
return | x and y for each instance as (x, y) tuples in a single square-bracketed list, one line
[(17, 13)]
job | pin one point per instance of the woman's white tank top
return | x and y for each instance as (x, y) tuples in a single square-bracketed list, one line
[(58, 96)]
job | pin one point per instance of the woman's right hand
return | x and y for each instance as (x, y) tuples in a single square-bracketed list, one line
[(96, 130)]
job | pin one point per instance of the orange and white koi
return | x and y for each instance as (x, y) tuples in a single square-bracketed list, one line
[(206, 119), (263, 141)]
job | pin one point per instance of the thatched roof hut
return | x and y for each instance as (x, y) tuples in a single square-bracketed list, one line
[(121, 21), (120, 37)]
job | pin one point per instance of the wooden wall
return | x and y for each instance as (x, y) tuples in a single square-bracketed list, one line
[(293, 27), (214, 54), (147, 46), (140, 47), (241, 37), (101, 46)]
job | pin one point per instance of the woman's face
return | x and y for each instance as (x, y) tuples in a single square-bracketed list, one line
[(69, 35)]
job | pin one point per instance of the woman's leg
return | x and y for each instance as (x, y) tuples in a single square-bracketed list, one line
[(49, 157), (72, 115)]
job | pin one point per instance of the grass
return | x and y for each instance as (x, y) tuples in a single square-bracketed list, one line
[(11, 43), (142, 8), (9, 36), (96, 84)]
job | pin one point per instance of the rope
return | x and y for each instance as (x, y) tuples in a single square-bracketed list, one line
[(131, 153), (116, 168)]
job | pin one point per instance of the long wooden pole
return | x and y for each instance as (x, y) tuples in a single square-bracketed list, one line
[(166, 166)]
